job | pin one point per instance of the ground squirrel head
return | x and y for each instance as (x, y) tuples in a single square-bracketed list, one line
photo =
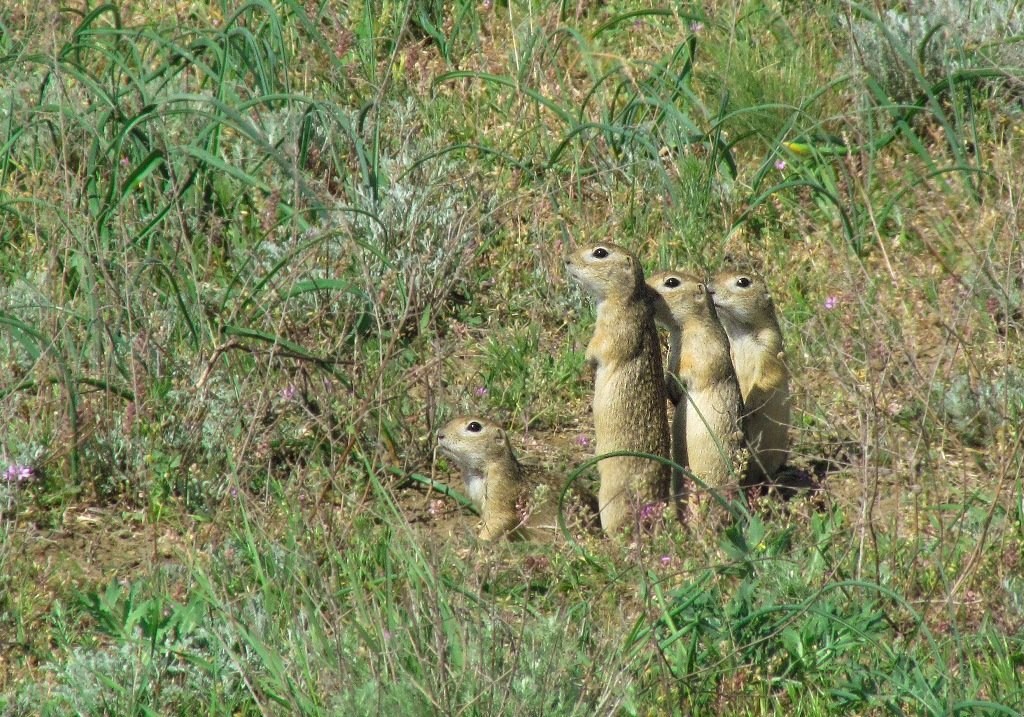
[(473, 442), (605, 270), (680, 297), (742, 299), (476, 445)]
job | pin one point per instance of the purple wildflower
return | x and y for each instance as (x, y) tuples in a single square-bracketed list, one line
[(481, 391), (666, 560), (780, 164), (17, 472), (582, 440), (831, 303), (288, 393), (696, 26), (651, 511)]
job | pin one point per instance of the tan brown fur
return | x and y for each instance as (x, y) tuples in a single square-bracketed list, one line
[(706, 430), (674, 388), (510, 503), (748, 314), (629, 388)]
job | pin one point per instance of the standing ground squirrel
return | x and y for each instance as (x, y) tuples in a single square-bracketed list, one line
[(629, 387), (674, 387), (509, 502), (706, 430), (748, 315)]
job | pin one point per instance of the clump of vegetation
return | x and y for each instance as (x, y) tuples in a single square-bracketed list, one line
[(979, 413), (909, 50)]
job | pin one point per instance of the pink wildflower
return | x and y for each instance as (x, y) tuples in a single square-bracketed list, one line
[(17, 472)]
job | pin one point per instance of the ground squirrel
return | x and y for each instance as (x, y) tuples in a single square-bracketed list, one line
[(746, 310), (706, 430), (629, 388), (509, 502)]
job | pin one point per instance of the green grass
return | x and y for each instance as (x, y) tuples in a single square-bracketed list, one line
[(253, 255)]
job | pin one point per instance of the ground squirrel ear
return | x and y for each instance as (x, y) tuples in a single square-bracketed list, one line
[(636, 267)]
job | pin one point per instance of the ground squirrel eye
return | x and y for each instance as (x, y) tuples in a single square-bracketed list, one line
[(672, 282), (743, 282), (474, 427), (600, 253)]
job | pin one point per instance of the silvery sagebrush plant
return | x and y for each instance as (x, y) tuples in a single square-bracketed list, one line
[(908, 50)]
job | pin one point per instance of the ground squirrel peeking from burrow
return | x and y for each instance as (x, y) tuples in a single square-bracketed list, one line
[(706, 433), (510, 503), (748, 315), (629, 386)]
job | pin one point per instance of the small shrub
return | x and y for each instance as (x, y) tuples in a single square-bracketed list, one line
[(907, 51), (977, 410)]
